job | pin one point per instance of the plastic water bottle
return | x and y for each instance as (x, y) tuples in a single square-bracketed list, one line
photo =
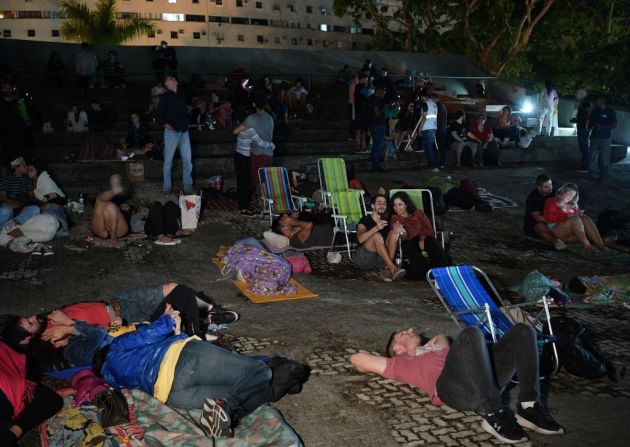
[(82, 199)]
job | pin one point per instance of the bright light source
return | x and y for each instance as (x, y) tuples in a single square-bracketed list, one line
[(527, 106)]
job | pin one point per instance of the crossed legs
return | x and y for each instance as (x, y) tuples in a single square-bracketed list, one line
[(108, 221)]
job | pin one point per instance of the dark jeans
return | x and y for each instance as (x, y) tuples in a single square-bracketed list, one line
[(378, 140), (474, 374), (162, 219), (584, 144), (206, 371), (44, 404), (242, 166), (428, 143), (440, 138), (183, 299)]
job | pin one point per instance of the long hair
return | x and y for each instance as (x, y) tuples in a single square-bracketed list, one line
[(411, 208), (565, 188), (12, 333)]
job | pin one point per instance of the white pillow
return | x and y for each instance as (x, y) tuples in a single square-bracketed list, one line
[(276, 241)]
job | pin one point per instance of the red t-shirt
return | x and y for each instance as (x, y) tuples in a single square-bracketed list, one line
[(92, 312), (421, 371), (554, 214), (483, 135)]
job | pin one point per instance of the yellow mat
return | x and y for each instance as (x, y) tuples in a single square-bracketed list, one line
[(300, 294)]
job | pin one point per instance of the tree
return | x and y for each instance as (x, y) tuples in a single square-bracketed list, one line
[(100, 26)]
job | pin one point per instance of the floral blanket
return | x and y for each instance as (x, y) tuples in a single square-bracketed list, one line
[(607, 290)]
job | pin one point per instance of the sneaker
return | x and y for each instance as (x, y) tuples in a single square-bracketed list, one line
[(398, 273), (215, 420), (218, 315), (559, 245), (538, 419), (38, 250), (503, 426)]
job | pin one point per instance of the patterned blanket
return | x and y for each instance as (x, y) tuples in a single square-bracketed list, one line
[(607, 290), (161, 426)]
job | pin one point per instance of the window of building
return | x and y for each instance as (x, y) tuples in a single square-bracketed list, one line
[(258, 5), (29, 14), (367, 31), (170, 17), (291, 7), (297, 25), (260, 38), (240, 20), (309, 26), (195, 1), (172, 1), (150, 0), (220, 37), (30, 33), (240, 38), (309, 42), (294, 41), (54, 33), (151, 34), (323, 27), (325, 43), (309, 10), (174, 35), (278, 40), (260, 22), (218, 19), (339, 44), (239, 3), (355, 30), (195, 18), (339, 29), (196, 35), (6, 33), (325, 11), (218, 2)]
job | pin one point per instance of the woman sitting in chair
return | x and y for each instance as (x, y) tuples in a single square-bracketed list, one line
[(419, 245)]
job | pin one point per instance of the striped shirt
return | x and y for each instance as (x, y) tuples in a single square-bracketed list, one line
[(245, 139), (16, 186)]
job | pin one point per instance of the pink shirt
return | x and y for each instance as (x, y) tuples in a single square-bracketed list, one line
[(421, 371)]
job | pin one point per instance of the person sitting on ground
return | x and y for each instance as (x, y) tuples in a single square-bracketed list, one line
[(113, 71), (303, 234), (534, 223), (507, 128), (162, 223), (377, 244), (298, 96), (462, 375), (108, 221), (481, 134), (418, 237), (566, 221), (459, 193), (458, 137), (77, 120), (24, 404), (138, 138), (199, 113), (221, 110), (46, 190), (16, 189), (611, 224)]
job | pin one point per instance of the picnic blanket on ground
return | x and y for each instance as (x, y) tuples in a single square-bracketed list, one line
[(607, 290), (164, 427)]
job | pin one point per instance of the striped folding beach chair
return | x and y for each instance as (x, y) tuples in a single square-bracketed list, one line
[(276, 192), (348, 209), (468, 303), (332, 178)]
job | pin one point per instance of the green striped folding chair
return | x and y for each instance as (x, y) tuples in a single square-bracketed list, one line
[(416, 197), (332, 178), (348, 209), (276, 192)]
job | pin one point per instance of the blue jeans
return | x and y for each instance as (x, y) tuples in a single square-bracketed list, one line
[(60, 213), (584, 143), (428, 143), (206, 371), (173, 140), (378, 139), (6, 213), (599, 157)]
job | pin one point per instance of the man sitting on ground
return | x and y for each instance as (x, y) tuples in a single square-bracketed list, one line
[(377, 244), (301, 233), (535, 224), (463, 376)]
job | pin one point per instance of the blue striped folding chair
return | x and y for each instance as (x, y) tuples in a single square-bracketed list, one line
[(469, 304), (276, 192)]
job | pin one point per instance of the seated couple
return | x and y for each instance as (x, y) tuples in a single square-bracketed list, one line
[(180, 370), (379, 238), (469, 375), (557, 219)]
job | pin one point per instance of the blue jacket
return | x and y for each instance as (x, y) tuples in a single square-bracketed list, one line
[(134, 358), (84, 342)]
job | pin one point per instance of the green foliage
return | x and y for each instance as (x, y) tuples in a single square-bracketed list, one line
[(100, 26)]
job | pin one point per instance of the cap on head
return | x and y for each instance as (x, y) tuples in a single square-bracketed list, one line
[(17, 162)]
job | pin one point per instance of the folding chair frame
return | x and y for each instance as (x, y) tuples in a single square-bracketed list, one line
[(438, 234), (327, 195), (297, 202), (343, 220), (485, 309)]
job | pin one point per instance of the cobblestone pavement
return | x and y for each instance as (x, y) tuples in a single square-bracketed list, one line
[(357, 311)]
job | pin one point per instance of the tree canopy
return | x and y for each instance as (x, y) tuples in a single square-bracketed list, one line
[(100, 25)]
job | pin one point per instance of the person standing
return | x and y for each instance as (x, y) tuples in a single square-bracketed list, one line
[(262, 123), (375, 110), (172, 115), (548, 105), (603, 119), (428, 125), (85, 65), (583, 130), (441, 133)]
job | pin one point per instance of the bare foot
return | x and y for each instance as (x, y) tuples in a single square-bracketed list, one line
[(115, 184), (164, 238), (113, 243)]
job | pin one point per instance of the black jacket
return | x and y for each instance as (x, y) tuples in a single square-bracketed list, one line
[(172, 110)]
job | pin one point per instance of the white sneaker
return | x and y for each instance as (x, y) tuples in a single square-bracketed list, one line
[(22, 244)]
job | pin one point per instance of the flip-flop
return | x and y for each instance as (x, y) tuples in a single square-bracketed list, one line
[(168, 243)]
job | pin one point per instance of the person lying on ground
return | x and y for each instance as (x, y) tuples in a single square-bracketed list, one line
[(377, 242), (459, 193), (611, 225), (462, 376), (301, 233), (38, 227), (24, 404), (567, 221)]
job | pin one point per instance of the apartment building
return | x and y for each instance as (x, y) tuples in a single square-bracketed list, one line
[(273, 24)]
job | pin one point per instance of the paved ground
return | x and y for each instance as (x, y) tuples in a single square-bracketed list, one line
[(339, 407)]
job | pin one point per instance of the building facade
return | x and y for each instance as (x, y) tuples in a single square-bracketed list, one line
[(273, 24)]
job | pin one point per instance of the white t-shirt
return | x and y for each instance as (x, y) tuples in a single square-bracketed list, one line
[(77, 125), (45, 186)]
